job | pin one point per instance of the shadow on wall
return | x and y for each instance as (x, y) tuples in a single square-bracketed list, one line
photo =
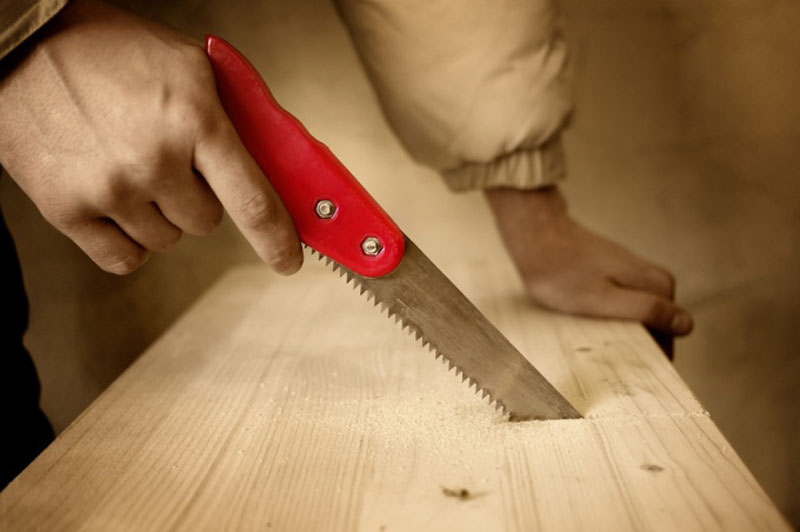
[(687, 124)]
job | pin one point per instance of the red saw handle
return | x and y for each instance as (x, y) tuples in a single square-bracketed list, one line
[(331, 210)]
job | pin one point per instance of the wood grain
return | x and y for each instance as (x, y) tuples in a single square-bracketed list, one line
[(294, 405)]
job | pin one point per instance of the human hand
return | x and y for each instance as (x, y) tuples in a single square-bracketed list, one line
[(112, 126), (566, 267)]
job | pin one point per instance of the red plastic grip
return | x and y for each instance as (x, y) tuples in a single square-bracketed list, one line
[(303, 171)]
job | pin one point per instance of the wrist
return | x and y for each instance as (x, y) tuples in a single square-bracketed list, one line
[(530, 209)]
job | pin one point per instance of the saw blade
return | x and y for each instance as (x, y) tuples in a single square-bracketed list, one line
[(420, 297)]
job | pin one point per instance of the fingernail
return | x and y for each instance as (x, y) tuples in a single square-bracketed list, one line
[(681, 324)]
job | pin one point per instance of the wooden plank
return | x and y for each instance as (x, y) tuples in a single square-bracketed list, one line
[(296, 406)]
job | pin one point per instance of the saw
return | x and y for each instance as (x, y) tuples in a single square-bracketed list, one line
[(342, 224)]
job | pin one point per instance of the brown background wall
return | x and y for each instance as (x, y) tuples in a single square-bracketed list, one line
[(684, 147)]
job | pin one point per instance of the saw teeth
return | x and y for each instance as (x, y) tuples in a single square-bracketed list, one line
[(408, 327)]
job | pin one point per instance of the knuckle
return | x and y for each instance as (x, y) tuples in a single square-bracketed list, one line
[(195, 57), (669, 281), (197, 60), (157, 179), (591, 301), (662, 278), (157, 184), (555, 294), (60, 216), (160, 183), (544, 293), (193, 112), (158, 161), (257, 211), (658, 312), (111, 193), (196, 109), (209, 221), (205, 124)]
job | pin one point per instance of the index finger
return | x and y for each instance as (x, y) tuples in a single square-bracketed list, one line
[(248, 197)]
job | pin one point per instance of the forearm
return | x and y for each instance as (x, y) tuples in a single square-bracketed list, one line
[(540, 207)]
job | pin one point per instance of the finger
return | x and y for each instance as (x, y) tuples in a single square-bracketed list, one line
[(190, 205), (145, 224), (632, 272), (247, 195), (653, 310), (108, 246)]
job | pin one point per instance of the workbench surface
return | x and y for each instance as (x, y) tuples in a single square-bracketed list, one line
[(292, 404)]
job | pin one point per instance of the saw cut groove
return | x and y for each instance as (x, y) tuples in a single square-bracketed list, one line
[(410, 329)]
